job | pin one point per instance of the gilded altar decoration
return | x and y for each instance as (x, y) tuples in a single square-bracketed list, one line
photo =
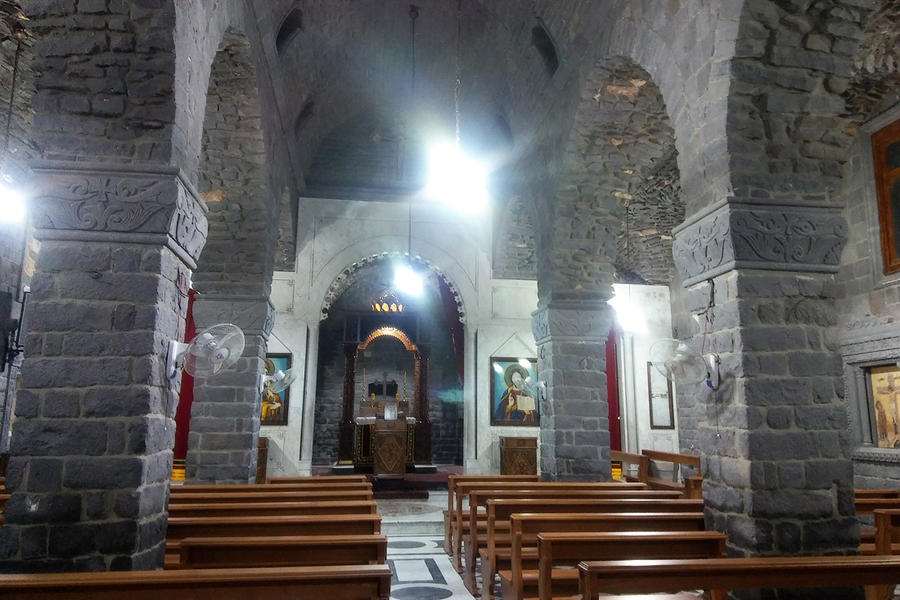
[(511, 402), (885, 382), (274, 409)]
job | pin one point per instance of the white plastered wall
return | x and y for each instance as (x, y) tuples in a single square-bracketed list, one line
[(651, 304), (333, 235)]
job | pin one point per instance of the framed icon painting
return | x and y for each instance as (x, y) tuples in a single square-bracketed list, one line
[(513, 399), (274, 410)]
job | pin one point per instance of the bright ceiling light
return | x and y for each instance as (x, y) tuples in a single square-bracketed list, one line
[(456, 179), (12, 205), (629, 314), (408, 281)]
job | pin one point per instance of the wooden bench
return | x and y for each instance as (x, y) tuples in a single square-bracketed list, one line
[(464, 489), (282, 551), (231, 497), (318, 478), (876, 493), (868, 506), (678, 462), (471, 538), (452, 480), (258, 509), (720, 574), (497, 553), (250, 526), (558, 555), (265, 488), (635, 467), (525, 528), (339, 582), (887, 542)]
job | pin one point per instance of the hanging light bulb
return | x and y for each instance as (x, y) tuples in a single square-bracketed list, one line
[(457, 180), (12, 205), (408, 281)]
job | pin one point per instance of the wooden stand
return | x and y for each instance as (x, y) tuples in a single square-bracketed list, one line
[(262, 457), (390, 449), (518, 456)]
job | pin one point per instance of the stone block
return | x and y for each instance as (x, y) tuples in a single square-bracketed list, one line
[(45, 475), (58, 437), (38, 509), (109, 472)]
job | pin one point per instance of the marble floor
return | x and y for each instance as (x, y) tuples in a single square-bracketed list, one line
[(422, 570)]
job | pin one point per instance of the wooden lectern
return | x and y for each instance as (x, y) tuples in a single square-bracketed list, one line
[(390, 448)]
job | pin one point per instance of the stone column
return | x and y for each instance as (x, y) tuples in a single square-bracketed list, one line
[(469, 413), (222, 444), (422, 453), (309, 397), (92, 442), (347, 428), (779, 478), (571, 340)]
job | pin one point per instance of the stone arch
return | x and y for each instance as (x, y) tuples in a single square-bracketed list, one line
[(234, 271), (622, 141), (346, 277)]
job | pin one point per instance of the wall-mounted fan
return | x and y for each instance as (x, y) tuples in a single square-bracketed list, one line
[(280, 380), (679, 362), (212, 350), (534, 388)]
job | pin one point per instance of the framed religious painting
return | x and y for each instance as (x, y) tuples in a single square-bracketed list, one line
[(885, 386), (274, 409), (513, 401)]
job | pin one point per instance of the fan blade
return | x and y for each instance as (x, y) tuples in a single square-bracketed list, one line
[(214, 349), (282, 380)]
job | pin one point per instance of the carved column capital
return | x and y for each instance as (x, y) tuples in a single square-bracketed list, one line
[(119, 203), (780, 236), (579, 323)]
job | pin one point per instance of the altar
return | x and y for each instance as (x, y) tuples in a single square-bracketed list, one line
[(382, 431)]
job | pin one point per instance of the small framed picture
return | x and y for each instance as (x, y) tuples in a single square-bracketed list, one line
[(274, 409), (513, 402), (884, 382), (662, 410)]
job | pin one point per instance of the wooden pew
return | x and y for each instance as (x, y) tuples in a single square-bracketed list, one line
[(471, 538), (318, 478), (525, 528), (464, 489), (229, 497), (339, 582), (497, 553), (282, 551), (665, 575), (452, 480), (265, 488), (559, 554), (876, 493), (249, 526), (867, 506), (635, 467), (678, 461), (259, 509), (887, 542)]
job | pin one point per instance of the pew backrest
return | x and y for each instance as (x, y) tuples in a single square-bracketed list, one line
[(568, 549), (237, 509), (265, 488), (867, 506), (682, 466), (286, 551), (340, 582), (635, 467), (318, 479), (666, 575), (229, 497), (249, 526)]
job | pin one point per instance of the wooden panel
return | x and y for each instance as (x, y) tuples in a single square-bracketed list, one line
[(518, 456)]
